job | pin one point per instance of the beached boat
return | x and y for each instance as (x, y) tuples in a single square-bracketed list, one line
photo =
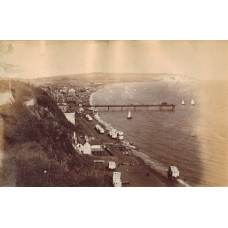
[(192, 102), (183, 102), (129, 115)]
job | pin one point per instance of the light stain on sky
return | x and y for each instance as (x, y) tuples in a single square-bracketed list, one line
[(198, 59)]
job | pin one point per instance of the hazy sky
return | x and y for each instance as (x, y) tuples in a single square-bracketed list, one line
[(199, 59)]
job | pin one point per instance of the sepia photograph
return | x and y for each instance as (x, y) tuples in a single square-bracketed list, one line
[(113, 113)]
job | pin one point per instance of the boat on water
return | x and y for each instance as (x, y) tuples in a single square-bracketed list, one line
[(129, 115), (182, 102), (192, 102)]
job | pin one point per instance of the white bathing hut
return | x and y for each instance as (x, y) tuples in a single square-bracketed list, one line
[(113, 133), (88, 117), (111, 165), (117, 183), (117, 179), (173, 172)]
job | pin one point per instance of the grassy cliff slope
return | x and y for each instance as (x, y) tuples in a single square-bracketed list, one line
[(35, 144)]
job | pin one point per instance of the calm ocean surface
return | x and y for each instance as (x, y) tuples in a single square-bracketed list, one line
[(193, 138)]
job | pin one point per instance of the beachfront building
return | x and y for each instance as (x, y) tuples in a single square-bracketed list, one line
[(87, 148), (71, 92), (70, 117), (117, 182), (96, 146)]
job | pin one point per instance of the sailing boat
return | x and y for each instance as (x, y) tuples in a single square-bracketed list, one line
[(183, 102), (192, 102), (129, 115)]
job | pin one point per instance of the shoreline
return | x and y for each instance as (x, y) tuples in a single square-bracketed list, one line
[(158, 179)]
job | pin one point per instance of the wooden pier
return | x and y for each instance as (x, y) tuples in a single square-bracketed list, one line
[(167, 107)]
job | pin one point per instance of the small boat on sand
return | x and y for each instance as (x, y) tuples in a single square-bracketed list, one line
[(192, 102), (129, 115), (183, 102)]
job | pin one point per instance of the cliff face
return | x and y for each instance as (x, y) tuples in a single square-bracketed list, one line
[(35, 145)]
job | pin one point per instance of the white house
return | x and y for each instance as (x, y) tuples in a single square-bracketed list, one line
[(70, 117), (87, 148)]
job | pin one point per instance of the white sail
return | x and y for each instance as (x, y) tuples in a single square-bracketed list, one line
[(183, 102), (129, 114), (192, 102)]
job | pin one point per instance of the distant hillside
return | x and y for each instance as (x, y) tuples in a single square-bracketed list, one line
[(111, 77), (35, 145)]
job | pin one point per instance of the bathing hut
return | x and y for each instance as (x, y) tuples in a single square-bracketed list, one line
[(111, 165), (173, 172), (117, 182)]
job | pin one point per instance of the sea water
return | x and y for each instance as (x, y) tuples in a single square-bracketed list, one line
[(193, 138)]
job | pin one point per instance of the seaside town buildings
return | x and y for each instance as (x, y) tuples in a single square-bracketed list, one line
[(71, 92), (70, 101)]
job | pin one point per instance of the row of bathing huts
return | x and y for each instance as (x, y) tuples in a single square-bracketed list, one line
[(113, 133)]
